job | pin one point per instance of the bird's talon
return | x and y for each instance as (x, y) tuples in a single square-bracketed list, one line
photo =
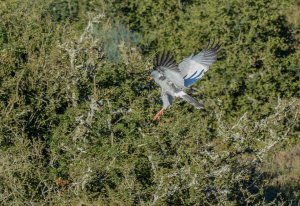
[(159, 114)]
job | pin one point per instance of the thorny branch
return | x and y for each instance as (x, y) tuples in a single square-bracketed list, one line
[(165, 185), (73, 49)]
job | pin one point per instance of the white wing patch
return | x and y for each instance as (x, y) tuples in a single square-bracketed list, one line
[(194, 67)]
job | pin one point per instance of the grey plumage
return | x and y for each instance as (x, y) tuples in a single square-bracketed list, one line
[(169, 90), (192, 101), (173, 78)]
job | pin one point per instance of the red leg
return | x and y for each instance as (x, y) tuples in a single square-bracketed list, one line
[(159, 114)]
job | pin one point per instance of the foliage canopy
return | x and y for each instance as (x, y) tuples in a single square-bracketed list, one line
[(76, 105)]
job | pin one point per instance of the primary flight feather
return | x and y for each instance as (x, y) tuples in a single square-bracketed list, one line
[(174, 79)]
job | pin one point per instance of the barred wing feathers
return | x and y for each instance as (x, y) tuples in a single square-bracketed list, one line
[(166, 65)]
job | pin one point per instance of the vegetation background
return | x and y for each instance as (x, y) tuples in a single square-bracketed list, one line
[(76, 105)]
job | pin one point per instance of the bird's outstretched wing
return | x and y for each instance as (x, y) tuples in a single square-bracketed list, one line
[(193, 67), (165, 64), (165, 60)]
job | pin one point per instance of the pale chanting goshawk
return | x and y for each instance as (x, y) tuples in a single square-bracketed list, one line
[(174, 79)]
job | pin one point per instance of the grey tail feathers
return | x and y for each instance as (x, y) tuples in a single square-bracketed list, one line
[(192, 101)]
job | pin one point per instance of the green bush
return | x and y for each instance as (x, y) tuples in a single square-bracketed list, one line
[(76, 104), (61, 10)]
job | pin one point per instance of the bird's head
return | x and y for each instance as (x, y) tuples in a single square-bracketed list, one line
[(155, 74)]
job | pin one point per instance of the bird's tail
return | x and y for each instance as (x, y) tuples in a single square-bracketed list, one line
[(189, 99)]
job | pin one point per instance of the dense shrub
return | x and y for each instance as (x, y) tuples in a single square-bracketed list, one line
[(77, 106)]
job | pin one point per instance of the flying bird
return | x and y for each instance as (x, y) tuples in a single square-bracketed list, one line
[(174, 79)]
